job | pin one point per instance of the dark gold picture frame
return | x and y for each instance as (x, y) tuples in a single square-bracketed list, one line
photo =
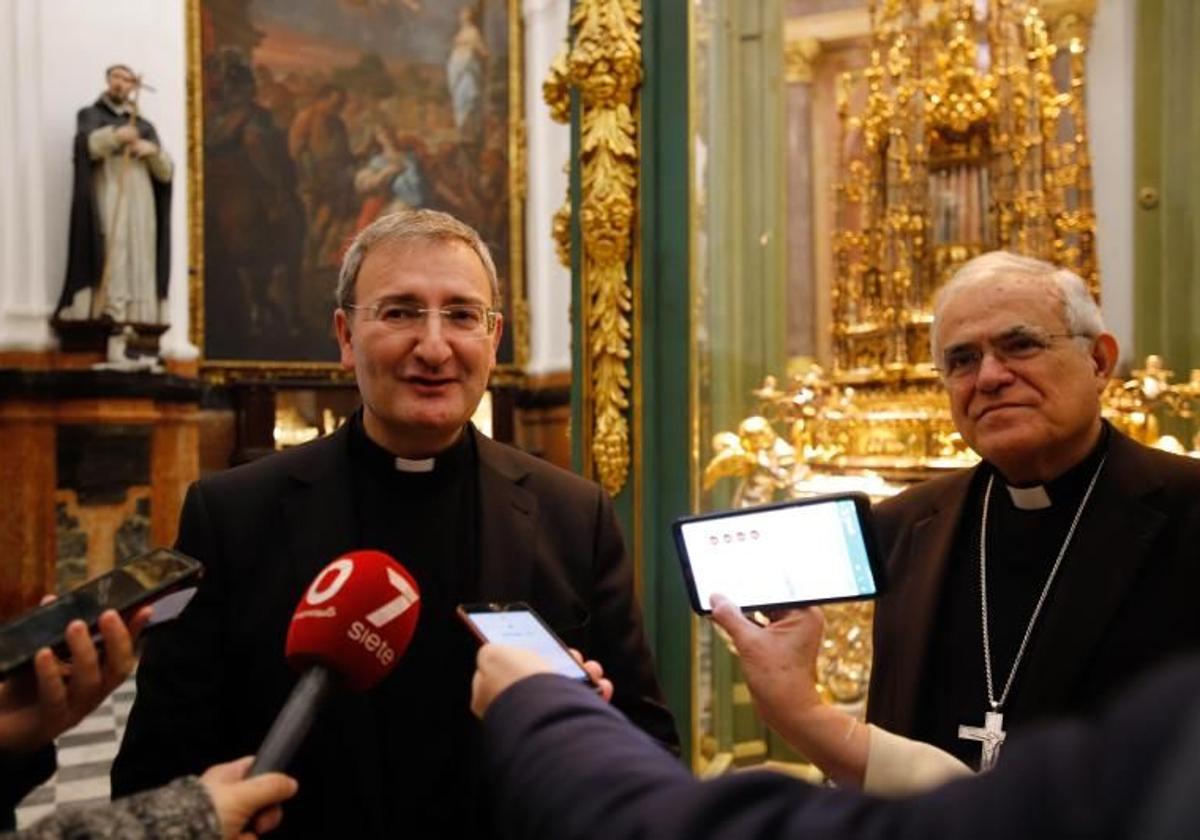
[(297, 133)]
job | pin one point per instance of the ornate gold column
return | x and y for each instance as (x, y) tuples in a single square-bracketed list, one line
[(604, 64)]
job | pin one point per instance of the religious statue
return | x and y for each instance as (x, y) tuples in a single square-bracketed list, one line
[(119, 258)]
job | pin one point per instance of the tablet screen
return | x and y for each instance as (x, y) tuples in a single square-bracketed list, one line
[(808, 552)]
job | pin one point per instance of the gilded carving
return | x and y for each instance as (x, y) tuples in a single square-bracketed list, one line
[(798, 58), (945, 157), (556, 91), (560, 230), (604, 66)]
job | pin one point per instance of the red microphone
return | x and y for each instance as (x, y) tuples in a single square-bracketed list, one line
[(351, 627)]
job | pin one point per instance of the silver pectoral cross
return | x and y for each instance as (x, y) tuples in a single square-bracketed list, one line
[(990, 736)]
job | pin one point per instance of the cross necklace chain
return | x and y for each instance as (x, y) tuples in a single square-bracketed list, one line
[(991, 735)]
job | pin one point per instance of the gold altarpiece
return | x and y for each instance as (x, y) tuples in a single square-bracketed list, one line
[(839, 166), (947, 128), (950, 128)]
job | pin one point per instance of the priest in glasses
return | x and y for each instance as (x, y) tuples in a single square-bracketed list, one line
[(1036, 584), (473, 520)]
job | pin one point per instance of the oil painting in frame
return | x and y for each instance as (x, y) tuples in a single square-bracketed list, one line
[(310, 118)]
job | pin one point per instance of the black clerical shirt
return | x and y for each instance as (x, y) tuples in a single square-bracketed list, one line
[(1022, 547), (428, 521)]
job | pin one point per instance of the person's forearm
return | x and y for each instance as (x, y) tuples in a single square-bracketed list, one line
[(181, 809), (833, 740), (898, 766)]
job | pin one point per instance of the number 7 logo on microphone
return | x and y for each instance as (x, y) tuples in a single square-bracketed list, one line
[(357, 617), (396, 607), (333, 577)]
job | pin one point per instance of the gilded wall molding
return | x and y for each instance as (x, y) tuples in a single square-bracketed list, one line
[(556, 89), (556, 92), (605, 66)]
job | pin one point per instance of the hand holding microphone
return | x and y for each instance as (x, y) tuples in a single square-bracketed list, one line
[(354, 623), (246, 807)]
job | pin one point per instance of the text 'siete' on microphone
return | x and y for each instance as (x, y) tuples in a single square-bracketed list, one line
[(351, 628)]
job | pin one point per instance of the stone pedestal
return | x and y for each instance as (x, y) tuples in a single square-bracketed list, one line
[(45, 411)]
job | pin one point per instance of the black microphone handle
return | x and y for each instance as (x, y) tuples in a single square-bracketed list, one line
[(294, 720)]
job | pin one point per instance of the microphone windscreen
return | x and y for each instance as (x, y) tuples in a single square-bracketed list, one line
[(356, 619)]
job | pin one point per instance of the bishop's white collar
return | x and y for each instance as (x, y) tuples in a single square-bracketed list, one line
[(1029, 498), (417, 465)]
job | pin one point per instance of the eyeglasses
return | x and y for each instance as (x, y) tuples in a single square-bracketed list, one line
[(1018, 344), (466, 319)]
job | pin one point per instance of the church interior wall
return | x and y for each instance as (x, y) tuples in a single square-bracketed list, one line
[(53, 56), (59, 49), (68, 44), (57, 52)]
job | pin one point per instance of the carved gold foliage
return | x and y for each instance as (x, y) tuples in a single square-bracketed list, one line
[(560, 230), (556, 90), (605, 66)]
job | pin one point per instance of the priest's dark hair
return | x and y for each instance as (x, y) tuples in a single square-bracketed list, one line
[(407, 226), (108, 71)]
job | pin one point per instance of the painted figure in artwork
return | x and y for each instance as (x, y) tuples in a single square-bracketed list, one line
[(464, 75), (256, 231), (320, 145)]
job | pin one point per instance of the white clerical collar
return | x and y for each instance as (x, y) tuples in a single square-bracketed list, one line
[(411, 465), (1029, 498)]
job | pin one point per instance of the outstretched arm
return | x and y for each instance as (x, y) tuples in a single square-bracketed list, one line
[(564, 765), (220, 804), (779, 661)]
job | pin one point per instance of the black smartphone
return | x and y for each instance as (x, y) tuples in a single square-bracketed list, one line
[(518, 625), (806, 551), (143, 579)]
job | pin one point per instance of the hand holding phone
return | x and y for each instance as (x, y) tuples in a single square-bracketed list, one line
[(39, 704), (517, 625), (142, 580)]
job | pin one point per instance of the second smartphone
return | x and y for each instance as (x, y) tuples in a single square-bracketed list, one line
[(518, 625)]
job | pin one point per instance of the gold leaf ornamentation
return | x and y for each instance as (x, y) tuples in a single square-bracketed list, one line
[(560, 230), (605, 66), (556, 89)]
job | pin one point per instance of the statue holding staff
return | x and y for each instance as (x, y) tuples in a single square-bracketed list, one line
[(119, 259)]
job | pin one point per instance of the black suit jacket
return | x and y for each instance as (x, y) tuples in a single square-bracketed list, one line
[(19, 775), (1124, 600), (210, 683), (565, 767)]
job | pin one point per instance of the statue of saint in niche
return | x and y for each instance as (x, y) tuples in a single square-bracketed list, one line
[(119, 259)]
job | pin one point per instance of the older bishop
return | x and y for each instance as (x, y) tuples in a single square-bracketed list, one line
[(1060, 568), (1037, 584)]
